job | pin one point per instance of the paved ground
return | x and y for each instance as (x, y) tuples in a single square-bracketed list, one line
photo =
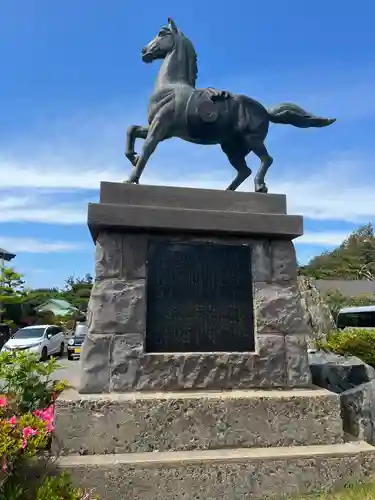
[(69, 371)]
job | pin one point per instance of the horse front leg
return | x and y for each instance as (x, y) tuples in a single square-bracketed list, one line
[(238, 161), (134, 132), (156, 133)]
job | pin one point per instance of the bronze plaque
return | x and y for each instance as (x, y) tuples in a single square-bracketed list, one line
[(199, 298)]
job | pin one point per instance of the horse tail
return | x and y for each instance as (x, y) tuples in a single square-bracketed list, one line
[(291, 114)]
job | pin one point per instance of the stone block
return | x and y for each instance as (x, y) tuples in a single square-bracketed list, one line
[(95, 364), (317, 313), (261, 261), (134, 250), (203, 420), (284, 262), (339, 373), (278, 308), (358, 412), (108, 255), (297, 364), (203, 370), (127, 350), (117, 306), (107, 216), (128, 344), (238, 474), (120, 255), (354, 380), (198, 199)]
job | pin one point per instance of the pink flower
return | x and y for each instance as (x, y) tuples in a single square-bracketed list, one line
[(29, 431), (48, 416), (50, 427), (50, 411), (3, 402), (4, 466), (12, 420), (24, 444)]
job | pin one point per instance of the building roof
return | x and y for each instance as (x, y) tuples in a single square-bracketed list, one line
[(350, 288), (61, 304), (6, 255), (64, 304)]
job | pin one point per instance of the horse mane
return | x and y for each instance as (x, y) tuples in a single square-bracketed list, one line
[(192, 59)]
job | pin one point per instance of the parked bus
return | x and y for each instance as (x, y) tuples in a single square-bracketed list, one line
[(356, 317)]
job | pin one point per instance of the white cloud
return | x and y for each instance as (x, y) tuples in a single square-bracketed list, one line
[(46, 175), (49, 175), (56, 196), (322, 238), (46, 213), (29, 245), (43, 206)]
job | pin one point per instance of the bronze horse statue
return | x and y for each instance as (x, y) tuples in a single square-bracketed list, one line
[(206, 116)]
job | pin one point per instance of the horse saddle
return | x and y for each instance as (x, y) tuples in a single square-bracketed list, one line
[(208, 113)]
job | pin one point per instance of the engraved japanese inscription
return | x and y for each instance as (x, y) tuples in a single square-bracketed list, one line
[(199, 298)]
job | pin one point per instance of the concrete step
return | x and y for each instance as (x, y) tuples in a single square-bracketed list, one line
[(233, 474), (143, 422)]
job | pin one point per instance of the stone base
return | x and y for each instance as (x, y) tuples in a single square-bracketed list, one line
[(207, 445), (142, 422), (236, 474), (124, 223)]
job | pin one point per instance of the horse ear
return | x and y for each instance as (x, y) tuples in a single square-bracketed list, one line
[(172, 26)]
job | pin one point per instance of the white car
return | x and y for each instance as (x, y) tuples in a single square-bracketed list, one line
[(43, 340)]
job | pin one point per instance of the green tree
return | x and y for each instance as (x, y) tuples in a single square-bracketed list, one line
[(34, 298), (354, 259), (12, 294), (77, 291)]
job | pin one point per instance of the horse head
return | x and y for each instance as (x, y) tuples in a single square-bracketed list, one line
[(164, 43)]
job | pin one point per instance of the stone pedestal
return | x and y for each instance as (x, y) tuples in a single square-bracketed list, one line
[(190, 269), (126, 222)]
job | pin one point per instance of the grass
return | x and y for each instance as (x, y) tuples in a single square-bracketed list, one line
[(354, 492)]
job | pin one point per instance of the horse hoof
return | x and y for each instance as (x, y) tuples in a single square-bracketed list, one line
[(130, 181)]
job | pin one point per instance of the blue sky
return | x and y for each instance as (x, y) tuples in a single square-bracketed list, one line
[(72, 81)]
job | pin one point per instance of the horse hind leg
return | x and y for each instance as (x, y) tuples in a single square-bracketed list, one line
[(266, 161), (238, 161)]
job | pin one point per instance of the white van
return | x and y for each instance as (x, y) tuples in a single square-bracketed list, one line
[(43, 340), (356, 317)]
